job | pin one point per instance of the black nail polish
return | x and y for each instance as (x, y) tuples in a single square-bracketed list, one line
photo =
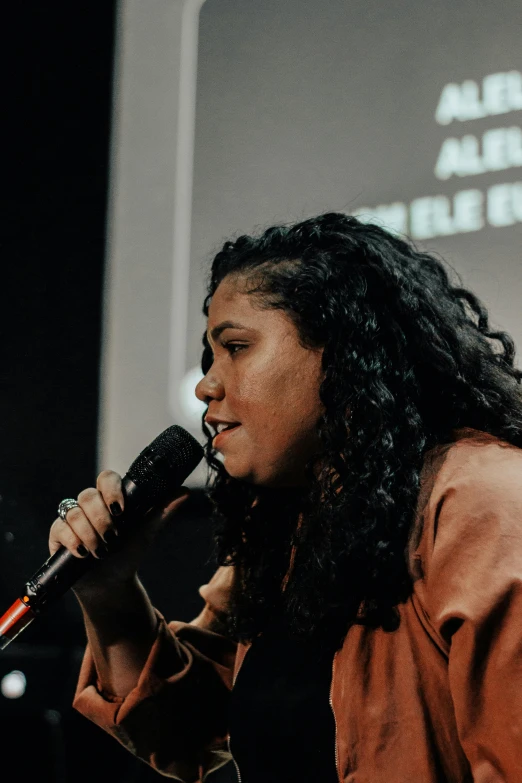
[(115, 509), (101, 552), (110, 536), (81, 550)]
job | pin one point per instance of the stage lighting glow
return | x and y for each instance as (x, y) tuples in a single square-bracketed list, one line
[(191, 407), (13, 685)]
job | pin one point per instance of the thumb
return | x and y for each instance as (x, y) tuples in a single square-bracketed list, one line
[(181, 496), (156, 518)]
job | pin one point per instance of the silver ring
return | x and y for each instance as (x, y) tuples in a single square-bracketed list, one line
[(66, 506)]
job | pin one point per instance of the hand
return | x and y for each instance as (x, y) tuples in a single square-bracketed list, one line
[(92, 527)]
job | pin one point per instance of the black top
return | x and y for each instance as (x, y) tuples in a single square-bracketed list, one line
[(282, 727)]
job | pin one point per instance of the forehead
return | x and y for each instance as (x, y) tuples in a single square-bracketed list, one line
[(231, 307), (230, 301)]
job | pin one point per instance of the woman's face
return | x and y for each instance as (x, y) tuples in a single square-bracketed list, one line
[(264, 380)]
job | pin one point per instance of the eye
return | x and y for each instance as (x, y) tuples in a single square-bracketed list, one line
[(231, 346)]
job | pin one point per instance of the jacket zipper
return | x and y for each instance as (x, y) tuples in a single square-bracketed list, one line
[(235, 762), (335, 720), (335, 725), (228, 740)]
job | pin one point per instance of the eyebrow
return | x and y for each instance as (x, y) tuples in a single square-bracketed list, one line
[(216, 331)]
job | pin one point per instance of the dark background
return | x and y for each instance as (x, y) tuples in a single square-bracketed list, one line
[(57, 71)]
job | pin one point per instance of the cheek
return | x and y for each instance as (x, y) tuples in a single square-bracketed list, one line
[(257, 403), (277, 407)]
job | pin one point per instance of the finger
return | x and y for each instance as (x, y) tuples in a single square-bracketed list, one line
[(95, 509), (110, 486), (80, 522), (62, 535)]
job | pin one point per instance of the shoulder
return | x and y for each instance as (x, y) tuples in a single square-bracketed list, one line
[(477, 470), (471, 492), (468, 556)]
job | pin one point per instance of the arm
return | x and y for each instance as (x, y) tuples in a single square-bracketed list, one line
[(121, 627), (473, 597), (161, 690), (175, 716)]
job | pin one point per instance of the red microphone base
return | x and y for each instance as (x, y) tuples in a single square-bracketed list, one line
[(17, 617)]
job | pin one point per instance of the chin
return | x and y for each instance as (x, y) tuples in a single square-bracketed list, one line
[(278, 481)]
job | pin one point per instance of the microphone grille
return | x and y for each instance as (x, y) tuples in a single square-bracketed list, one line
[(165, 463)]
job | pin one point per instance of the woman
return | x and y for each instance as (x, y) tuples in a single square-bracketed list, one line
[(364, 621)]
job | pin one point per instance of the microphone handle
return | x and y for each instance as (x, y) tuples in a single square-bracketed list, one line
[(63, 569)]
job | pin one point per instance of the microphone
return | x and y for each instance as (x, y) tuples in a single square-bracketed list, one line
[(151, 481)]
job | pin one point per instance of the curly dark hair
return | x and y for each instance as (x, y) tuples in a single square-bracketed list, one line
[(407, 359)]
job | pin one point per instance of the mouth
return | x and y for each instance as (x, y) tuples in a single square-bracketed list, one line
[(221, 436)]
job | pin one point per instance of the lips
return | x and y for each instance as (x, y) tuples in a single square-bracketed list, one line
[(221, 436), (216, 421)]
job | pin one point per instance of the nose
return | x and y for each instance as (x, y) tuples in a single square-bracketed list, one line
[(209, 388)]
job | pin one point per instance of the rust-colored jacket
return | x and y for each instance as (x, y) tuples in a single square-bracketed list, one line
[(437, 701)]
